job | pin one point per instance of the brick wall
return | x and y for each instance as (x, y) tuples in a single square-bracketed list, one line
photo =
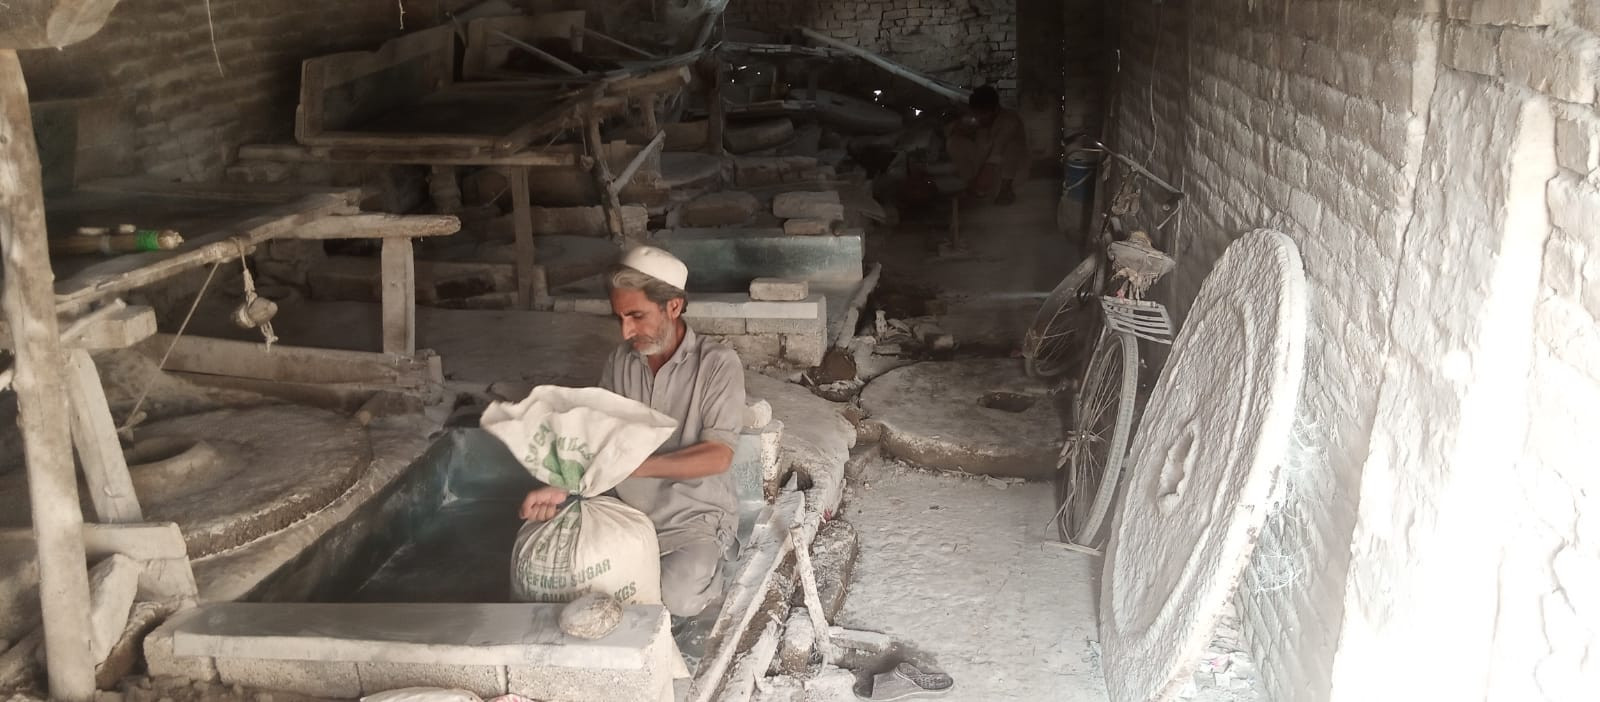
[(1438, 170), (157, 57), (966, 42)]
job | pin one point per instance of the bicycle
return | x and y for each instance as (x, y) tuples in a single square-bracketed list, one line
[(1090, 463)]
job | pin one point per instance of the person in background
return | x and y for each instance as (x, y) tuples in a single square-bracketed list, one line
[(989, 147), (685, 488)]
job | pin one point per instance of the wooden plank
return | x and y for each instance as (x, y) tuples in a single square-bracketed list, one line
[(522, 224), (626, 176), (39, 24), (433, 48), (290, 364), (118, 329), (399, 140), (376, 226), (956, 94), (399, 297), (43, 411), (206, 249), (224, 192), (160, 548), (298, 153), (94, 433)]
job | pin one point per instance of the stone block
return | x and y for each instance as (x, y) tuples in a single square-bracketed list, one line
[(833, 556), (1561, 64), (647, 675), (809, 205), (716, 325), (124, 654), (754, 349), (335, 679), (113, 583), (783, 325), (807, 227), (727, 208), (794, 650), (1578, 142), (486, 681), (161, 661), (735, 305), (805, 350), (1528, 13), (779, 289)]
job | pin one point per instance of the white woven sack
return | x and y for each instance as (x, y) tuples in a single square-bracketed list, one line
[(585, 440)]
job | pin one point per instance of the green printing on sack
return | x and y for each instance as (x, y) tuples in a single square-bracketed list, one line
[(565, 474)]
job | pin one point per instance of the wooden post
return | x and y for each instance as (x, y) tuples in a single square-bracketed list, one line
[(647, 110), (29, 303), (522, 225), (399, 279), (717, 118), (105, 469), (611, 201)]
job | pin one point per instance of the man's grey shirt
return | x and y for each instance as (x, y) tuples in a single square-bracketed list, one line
[(701, 386)]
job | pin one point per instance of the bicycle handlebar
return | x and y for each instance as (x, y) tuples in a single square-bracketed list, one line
[(1097, 145)]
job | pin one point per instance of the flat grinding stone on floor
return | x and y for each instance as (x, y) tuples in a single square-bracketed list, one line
[(257, 471), (934, 414), (1202, 468)]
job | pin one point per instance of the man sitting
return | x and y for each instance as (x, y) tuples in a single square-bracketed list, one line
[(685, 488), (988, 144)]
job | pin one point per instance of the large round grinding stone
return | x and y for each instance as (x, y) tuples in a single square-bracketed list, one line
[(231, 476), (1204, 463)]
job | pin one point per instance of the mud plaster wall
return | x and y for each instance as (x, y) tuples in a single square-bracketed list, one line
[(155, 57), (1439, 171)]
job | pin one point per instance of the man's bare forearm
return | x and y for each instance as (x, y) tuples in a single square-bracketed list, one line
[(698, 461)]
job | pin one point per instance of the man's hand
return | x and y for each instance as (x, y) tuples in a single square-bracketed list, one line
[(542, 504)]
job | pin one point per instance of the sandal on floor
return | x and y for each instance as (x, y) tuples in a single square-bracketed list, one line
[(907, 682)]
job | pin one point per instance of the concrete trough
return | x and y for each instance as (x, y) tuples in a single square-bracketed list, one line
[(726, 260)]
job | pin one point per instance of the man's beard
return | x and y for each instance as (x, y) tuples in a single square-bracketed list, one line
[(652, 344)]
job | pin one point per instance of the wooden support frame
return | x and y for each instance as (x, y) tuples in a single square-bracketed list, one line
[(531, 286), (29, 303), (614, 188), (377, 226), (296, 153), (94, 433), (717, 119), (602, 178), (287, 364), (399, 297)]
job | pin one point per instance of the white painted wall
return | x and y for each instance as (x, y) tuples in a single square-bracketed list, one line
[(1437, 163)]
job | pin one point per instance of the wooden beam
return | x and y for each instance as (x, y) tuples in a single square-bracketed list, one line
[(285, 363), (43, 412), (116, 329), (94, 433), (717, 119), (522, 226), (565, 114), (296, 153), (956, 94), (399, 283), (206, 250), (621, 181), (377, 226), (40, 24), (618, 43)]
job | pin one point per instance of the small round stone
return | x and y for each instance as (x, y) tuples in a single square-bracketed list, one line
[(591, 616)]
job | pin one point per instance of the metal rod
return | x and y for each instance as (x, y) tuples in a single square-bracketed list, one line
[(619, 43)]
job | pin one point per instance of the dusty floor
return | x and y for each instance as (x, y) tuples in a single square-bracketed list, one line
[(967, 571)]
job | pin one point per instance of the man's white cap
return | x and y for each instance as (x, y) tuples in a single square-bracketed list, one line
[(657, 264)]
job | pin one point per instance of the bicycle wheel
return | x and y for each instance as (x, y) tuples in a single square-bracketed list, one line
[(1098, 443), (1063, 321)]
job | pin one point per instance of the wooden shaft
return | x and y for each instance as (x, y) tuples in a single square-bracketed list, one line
[(621, 181), (602, 178), (522, 224), (44, 418), (718, 112)]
